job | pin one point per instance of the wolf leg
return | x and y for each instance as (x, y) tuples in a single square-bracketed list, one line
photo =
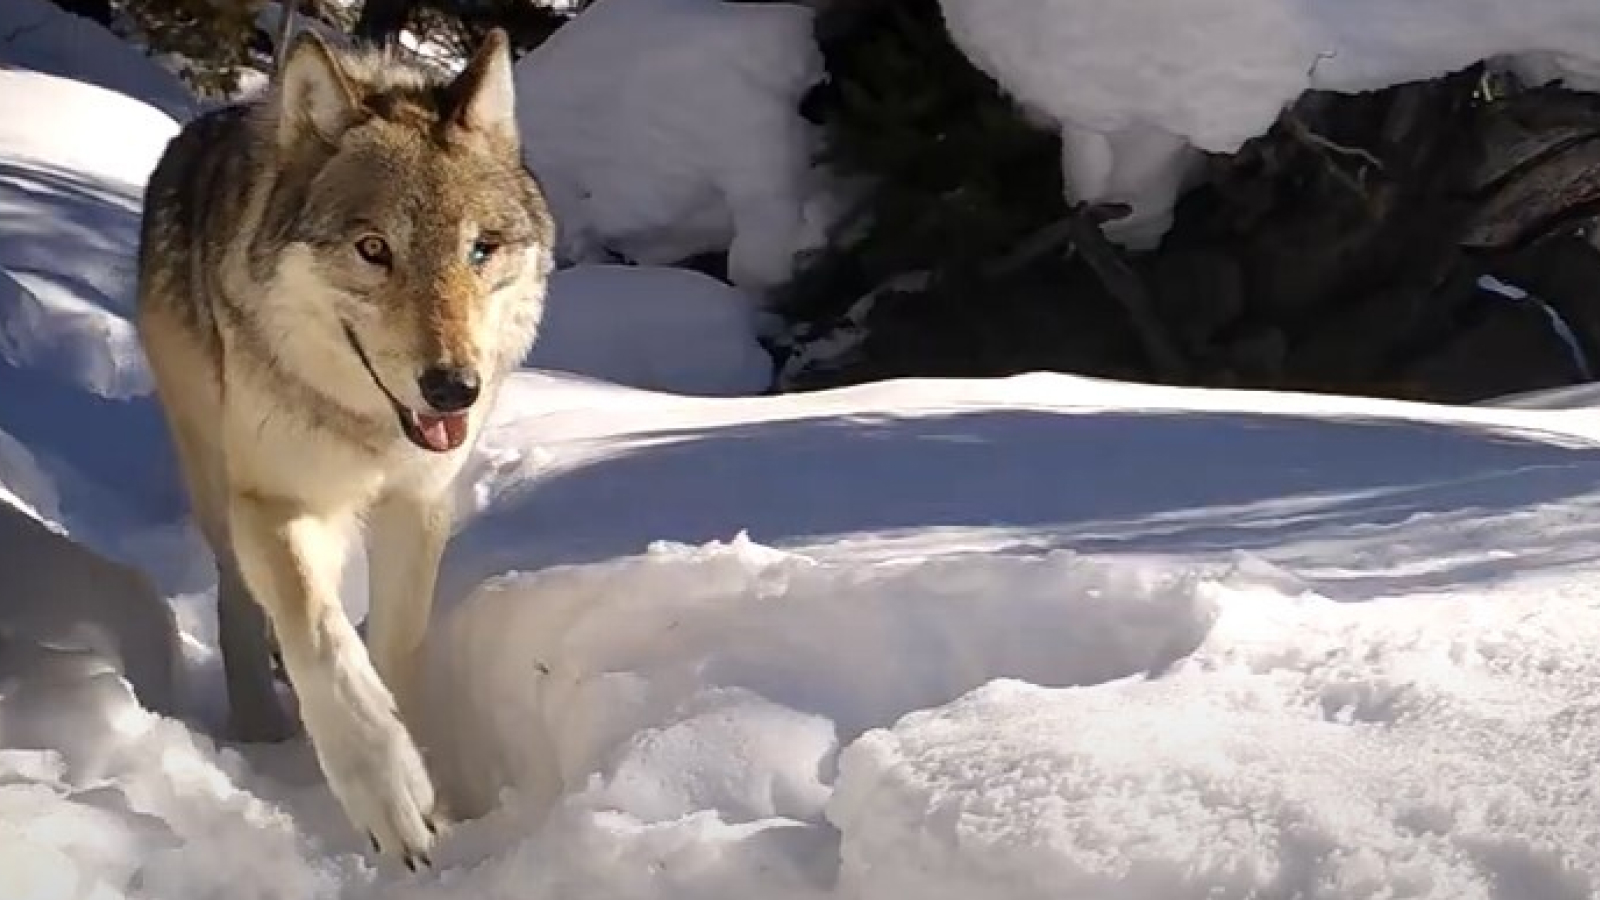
[(407, 537), (189, 407), (292, 560), (254, 711)]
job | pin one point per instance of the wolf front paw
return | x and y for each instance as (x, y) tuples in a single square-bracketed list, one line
[(370, 761), (384, 787), (389, 794)]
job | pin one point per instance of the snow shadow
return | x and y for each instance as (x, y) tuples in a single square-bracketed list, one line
[(1178, 483), (81, 229), (73, 382)]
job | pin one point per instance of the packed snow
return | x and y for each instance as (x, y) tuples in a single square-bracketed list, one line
[(1137, 89), (1034, 637)]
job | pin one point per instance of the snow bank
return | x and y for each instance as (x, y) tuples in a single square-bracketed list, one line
[(654, 328), (38, 35), (1135, 87), (574, 473), (688, 137), (724, 677)]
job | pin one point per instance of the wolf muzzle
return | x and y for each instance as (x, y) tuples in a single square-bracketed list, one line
[(453, 392)]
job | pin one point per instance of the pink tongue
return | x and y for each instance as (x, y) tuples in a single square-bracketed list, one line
[(443, 432)]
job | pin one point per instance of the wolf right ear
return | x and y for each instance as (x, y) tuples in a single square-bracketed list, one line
[(485, 91), (314, 96)]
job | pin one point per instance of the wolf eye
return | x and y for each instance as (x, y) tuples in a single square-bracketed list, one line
[(480, 251), (374, 250)]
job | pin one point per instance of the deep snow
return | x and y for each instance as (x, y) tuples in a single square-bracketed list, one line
[(1349, 645), (1037, 637)]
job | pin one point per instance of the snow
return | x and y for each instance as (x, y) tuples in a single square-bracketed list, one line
[(60, 595), (63, 185), (1136, 89), (653, 327), (1040, 636), (40, 36), (688, 140), (916, 668)]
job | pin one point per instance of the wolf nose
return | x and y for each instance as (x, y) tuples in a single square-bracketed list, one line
[(449, 389)]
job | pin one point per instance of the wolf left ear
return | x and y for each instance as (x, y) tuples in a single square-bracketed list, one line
[(485, 92)]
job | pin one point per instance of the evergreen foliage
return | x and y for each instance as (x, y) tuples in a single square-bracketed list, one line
[(946, 174), (213, 38)]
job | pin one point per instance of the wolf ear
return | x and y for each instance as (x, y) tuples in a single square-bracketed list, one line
[(485, 94), (314, 96)]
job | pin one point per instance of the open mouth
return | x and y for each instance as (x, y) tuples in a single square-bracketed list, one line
[(435, 432), (441, 434)]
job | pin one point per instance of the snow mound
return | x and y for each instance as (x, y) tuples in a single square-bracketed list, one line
[(38, 35), (654, 328), (724, 677), (687, 140), (62, 596), (1448, 760), (1135, 87), (69, 223), (122, 803)]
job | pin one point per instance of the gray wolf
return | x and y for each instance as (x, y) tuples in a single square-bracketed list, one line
[(334, 279)]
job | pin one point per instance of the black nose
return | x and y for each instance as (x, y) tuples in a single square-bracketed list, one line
[(449, 389)]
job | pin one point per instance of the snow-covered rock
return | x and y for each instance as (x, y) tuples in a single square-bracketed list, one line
[(665, 128), (1136, 88)]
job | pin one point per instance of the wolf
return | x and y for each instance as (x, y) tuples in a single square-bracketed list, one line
[(334, 279)]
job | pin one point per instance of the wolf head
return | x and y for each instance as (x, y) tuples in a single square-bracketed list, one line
[(403, 227)]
